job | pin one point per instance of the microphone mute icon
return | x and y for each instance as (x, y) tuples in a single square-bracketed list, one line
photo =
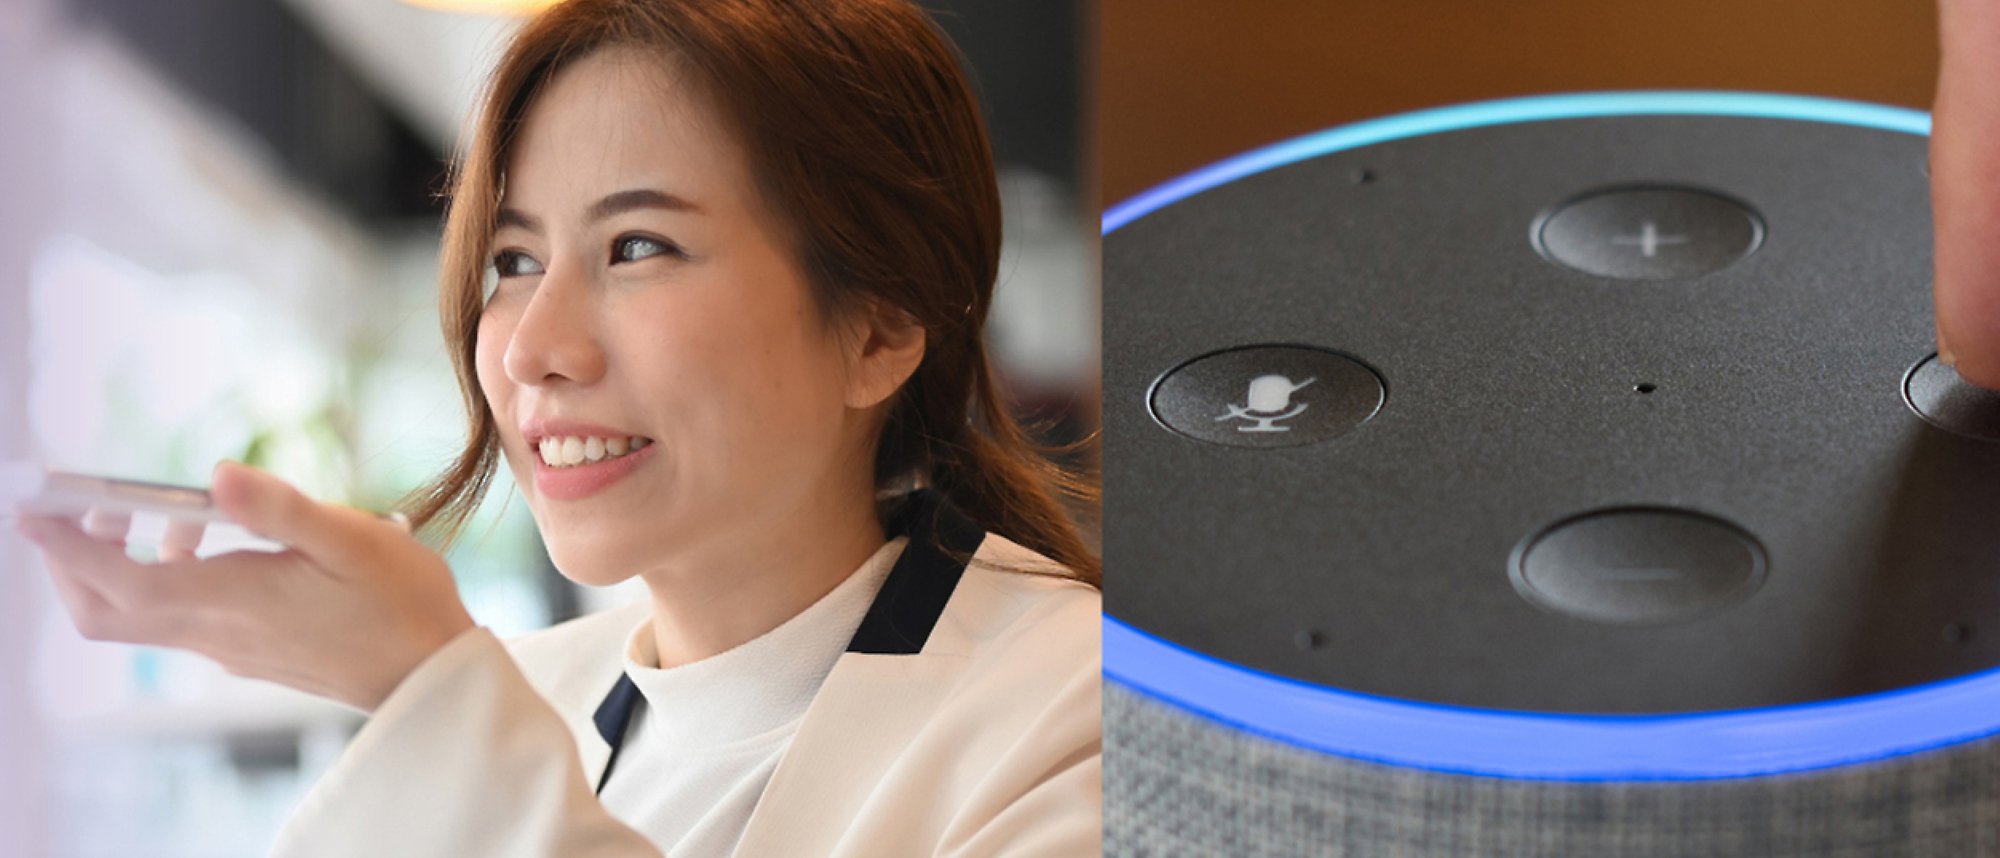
[(1268, 401)]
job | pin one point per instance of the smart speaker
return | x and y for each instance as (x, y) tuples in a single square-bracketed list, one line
[(1560, 476)]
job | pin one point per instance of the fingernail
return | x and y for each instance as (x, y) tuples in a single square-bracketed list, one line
[(1944, 353)]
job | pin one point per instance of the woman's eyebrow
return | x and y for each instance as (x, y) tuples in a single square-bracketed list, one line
[(618, 203), (640, 198)]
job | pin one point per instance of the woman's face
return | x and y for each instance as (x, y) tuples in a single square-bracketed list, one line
[(647, 301)]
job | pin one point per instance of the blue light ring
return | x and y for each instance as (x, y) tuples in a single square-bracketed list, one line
[(1511, 110), (1542, 746)]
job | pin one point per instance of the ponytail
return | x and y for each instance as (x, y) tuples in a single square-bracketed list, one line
[(997, 475)]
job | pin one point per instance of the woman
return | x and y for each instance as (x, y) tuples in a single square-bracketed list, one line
[(716, 273)]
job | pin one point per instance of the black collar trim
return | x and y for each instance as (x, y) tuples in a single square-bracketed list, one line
[(913, 597), (898, 622)]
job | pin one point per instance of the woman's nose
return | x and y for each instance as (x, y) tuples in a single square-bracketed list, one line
[(555, 336)]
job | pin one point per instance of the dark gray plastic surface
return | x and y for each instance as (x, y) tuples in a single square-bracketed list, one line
[(1522, 393)]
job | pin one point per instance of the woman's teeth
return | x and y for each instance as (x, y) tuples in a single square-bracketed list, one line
[(570, 451)]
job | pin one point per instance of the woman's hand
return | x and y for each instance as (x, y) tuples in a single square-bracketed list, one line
[(346, 612), (1965, 189)]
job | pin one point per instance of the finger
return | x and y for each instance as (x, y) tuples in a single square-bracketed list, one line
[(181, 540), (88, 611), (79, 599), (1965, 189), (327, 534), (108, 595), (20, 517), (70, 550), (108, 526)]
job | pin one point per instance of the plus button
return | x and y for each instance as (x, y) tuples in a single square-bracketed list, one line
[(1649, 240)]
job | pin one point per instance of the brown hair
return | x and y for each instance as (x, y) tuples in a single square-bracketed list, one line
[(863, 133)]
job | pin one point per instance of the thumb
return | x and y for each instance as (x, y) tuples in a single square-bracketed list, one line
[(271, 508), (1965, 200)]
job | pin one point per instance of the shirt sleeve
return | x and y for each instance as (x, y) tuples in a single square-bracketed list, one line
[(463, 758)]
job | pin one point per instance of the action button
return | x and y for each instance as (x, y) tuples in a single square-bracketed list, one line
[(1638, 565), (1951, 403), (1648, 233), (1266, 396)]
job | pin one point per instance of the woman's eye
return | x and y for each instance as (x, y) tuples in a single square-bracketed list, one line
[(513, 263), (632, 248)]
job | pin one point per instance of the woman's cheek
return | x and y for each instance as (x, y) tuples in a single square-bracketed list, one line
[(487, 365), (489, 348)]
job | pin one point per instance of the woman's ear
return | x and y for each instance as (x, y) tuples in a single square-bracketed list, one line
[(885, 346)]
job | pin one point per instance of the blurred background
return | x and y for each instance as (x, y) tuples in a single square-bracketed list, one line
[(218, 239), (1184, 83)]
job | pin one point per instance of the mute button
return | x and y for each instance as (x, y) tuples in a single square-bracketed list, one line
[(1266, 396)]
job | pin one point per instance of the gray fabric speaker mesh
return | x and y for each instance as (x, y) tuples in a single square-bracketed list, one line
[(1180, 785)]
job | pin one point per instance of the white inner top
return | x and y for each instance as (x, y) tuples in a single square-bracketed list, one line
[(703, 744)]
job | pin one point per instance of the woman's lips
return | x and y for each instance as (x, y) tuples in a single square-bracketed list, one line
[(581, 481)]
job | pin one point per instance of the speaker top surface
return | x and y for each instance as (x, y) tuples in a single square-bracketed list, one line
[(1580, 412)]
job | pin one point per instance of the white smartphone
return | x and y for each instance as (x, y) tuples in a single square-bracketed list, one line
[(34, 488)]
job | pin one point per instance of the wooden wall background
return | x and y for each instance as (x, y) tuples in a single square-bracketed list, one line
[(1183, 83)]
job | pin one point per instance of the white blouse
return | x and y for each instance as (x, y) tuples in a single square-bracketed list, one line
[(701, 748)]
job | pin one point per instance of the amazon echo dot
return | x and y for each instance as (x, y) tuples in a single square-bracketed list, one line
[(1561, 476)]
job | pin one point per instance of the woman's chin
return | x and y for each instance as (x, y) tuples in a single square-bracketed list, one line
[(590, 565), (599, 578), (606, 545)]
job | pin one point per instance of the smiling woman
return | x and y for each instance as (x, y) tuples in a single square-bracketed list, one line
[(717, 274), (622, 310), (715, 279), (839, 143)]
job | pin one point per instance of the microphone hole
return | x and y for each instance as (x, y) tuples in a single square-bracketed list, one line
[(1645, 387), (1309, 639)]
